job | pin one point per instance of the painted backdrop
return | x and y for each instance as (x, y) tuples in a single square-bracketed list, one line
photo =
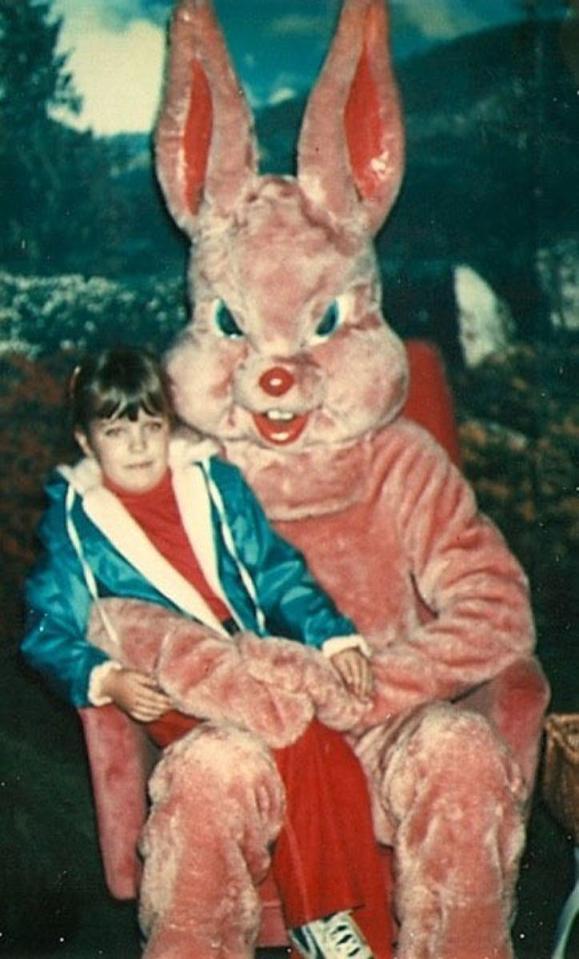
[(481, 255)]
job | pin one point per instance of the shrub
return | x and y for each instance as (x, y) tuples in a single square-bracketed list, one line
[(42, 315)]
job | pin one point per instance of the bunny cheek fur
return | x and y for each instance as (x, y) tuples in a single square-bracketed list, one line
[(278, 268)]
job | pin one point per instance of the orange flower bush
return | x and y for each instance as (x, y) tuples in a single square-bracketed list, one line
[(519, 429), (45, 325)]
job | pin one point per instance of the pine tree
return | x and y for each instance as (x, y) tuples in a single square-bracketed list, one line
[(33, 76), (58, 206), (33, 84)]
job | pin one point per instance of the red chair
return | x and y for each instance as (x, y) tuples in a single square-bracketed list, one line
[(121, 755), (429, 400)]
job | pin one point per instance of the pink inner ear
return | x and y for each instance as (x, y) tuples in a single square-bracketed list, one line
[(197, 135), (364, 127)]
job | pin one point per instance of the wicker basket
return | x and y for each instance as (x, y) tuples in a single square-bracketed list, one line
[(561, 770)]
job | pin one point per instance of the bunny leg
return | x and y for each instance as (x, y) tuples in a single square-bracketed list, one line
[(217, 806), (455, 794)]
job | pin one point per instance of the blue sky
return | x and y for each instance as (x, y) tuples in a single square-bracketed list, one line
[(116, 46)]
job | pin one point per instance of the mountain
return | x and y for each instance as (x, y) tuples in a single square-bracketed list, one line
[(492, 129)]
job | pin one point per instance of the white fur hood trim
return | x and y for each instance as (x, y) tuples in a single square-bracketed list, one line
[(113, 520)]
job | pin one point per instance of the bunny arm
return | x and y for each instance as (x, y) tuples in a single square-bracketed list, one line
[(293, 668), (464, 573), (271, 687), (427, 579)]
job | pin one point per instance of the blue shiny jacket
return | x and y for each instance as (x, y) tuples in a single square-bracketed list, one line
[(283, 598)]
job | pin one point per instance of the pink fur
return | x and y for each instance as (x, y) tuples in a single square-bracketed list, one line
[(205, 811), (456, 796), (271, 688), (352, 141), (200, 83), (387, 524)]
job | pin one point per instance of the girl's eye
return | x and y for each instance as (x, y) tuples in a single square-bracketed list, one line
[(226, 323), (329, 321)]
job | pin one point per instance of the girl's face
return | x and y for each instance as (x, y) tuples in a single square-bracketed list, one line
[(133, 454)]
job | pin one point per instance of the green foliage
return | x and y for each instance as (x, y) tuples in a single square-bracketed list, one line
[(33, 83), (34, 79), (58, 204), (41, 316)]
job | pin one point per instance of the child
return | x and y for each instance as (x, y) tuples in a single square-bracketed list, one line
[(143, 517)]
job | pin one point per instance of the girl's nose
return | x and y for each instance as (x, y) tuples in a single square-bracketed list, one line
[(137, 440)]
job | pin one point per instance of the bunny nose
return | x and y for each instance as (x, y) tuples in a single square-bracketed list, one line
[(276, 381)]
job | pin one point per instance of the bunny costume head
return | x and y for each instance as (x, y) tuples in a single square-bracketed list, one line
[(288, 346)]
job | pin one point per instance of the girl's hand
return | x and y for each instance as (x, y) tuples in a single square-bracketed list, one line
[(355, 671), (137, 695)]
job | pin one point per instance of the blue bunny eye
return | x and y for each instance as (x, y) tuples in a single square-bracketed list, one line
[(329, 321), (226, 323)]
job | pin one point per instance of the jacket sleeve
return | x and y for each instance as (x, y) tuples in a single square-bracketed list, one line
[(294, 604), (57, 606), (481, 619)]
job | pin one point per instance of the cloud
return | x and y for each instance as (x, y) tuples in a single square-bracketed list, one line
[(441, 21), (119, 14), (118, 73), (297, 25), (286, 85), (269, 94), (280, 94)]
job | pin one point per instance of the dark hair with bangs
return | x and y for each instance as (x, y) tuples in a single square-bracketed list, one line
[(117, 382)]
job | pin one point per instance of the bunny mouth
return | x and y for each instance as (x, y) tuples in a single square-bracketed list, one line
[(279, 427)]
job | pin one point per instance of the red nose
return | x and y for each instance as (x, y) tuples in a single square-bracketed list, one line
[(276, 381)]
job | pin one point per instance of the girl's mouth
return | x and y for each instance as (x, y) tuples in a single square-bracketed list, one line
[(279, 426)]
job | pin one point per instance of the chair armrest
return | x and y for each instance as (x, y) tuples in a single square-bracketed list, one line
[(515, 701), (120, 760)]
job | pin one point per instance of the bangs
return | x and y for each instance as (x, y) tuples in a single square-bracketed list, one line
[(118, 403), (119, 383)]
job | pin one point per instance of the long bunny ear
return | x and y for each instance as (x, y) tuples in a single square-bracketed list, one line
[(204, 137), (351, 147)]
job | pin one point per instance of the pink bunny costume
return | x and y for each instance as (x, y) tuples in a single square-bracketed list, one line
[(290, 365)]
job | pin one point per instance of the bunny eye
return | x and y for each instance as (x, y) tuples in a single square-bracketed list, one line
[(329, 321), (225, 322)]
